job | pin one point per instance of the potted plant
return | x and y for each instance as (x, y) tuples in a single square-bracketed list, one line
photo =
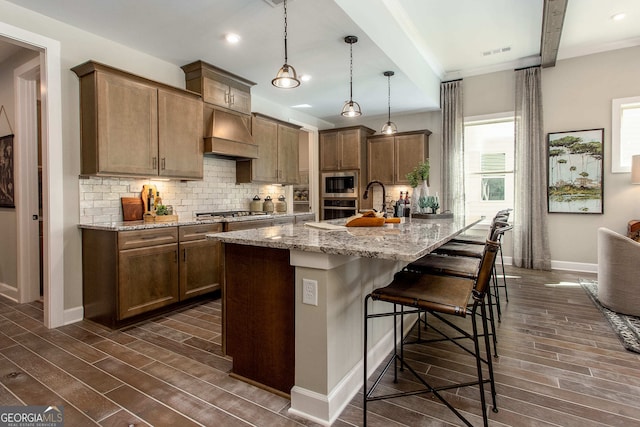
[(418, 177)]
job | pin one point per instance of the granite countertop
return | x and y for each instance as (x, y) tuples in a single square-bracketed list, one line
[(141, 225), (406, 241)]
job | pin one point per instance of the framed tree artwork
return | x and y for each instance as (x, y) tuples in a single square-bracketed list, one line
[(575, 171), (6, 172)]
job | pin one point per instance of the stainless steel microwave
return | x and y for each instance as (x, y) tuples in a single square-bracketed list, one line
[(340, 184)]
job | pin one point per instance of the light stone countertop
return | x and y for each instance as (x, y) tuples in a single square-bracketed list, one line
[(141, 225), (406, 241)]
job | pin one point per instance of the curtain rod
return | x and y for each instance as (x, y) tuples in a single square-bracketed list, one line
[(526, 68), (450, 81)]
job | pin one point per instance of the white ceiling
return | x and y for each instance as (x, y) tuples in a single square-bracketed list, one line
[(423, 41)]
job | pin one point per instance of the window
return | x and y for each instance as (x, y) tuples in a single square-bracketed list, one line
[(488, 163), (625, 132)]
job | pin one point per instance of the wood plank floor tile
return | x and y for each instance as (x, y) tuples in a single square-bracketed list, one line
[(560, 364), (173, 397)]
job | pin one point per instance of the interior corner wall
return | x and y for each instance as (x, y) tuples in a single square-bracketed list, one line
[(8, 225), (577, 95)]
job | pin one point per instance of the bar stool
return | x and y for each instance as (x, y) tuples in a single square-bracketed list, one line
[(474, 250), (441, 297), (462, 266), (502, 215)]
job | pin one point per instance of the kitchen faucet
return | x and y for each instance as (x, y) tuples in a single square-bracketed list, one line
[(384, 195)]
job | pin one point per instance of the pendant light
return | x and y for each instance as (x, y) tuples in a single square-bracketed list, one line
[(389, 128), (287, 77), (351, 108)]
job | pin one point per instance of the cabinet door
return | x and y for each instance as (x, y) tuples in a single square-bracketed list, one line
[(180, 143), (265, 135), (410, 150), (200, 267), (127, 123), (240, 100), (349, 145), (216, 93), (148, 279), (288, 148), (380, 152), (329, 151)]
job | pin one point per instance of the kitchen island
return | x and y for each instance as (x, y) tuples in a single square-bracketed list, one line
[(308, 343)]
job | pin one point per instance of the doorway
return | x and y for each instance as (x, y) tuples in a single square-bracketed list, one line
[(48, 64)]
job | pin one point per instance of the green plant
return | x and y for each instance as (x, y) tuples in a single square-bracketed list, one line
[(418, 174), (162, 210)]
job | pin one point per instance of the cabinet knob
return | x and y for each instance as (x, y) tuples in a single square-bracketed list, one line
[(232, 98), (154, 161), (164, 163)]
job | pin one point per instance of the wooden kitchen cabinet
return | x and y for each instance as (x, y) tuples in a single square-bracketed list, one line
[(130, 274), (219, 87), (200, 260), (278, 147), (131, 126), (390, 158), (344, 148), (147, 275)]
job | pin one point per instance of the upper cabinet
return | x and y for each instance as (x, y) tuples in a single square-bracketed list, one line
[(219, 87), (390, 158), (344, 148), (278, 147), (131, 126)]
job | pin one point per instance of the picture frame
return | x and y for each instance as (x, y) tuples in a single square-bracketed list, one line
[(6, 172), (575, 171)]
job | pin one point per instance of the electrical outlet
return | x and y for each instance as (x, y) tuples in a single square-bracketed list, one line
[(310, 292)]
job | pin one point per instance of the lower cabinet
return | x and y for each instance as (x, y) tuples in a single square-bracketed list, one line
[(200, 260), (132, 273)]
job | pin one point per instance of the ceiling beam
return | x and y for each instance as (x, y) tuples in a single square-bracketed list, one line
[(552, 20)]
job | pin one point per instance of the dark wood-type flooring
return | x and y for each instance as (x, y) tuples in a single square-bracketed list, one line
[(560, 364)]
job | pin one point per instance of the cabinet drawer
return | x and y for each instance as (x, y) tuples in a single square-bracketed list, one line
[(281, 221), (144, 238), (189, 233)]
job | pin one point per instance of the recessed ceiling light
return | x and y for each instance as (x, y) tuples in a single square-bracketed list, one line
[(618, 16), (301, 106), (305, 77), (232, 38)]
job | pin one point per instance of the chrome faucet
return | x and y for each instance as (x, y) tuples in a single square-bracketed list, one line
[(384, 195)]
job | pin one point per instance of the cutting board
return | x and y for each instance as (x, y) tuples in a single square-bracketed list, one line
[(132, 208)]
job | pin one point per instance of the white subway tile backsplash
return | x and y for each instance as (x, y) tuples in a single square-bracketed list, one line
[(100, 196)]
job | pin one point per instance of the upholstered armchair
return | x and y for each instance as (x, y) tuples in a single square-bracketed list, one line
[(618, 272)]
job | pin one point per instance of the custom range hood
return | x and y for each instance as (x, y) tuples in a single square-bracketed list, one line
[(227, 110), (227, 134)]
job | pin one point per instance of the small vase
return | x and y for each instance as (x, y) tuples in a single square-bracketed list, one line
[(422, 192)]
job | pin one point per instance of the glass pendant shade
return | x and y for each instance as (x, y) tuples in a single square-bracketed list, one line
[(286, 78), (351, 108), (389, 128)]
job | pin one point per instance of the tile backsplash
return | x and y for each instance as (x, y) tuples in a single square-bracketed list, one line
[(218, 191)]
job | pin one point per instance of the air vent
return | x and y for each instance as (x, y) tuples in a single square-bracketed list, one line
[(495, 51)]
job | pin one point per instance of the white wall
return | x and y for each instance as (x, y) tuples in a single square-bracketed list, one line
[(577, 94)]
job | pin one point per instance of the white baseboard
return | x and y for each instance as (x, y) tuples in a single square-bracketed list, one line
[(73, 315), (9, 292), (574, 266), (564, 265)]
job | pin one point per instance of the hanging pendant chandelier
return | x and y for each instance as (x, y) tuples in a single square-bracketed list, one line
[(351, 108), (287, 77), (389, 128)]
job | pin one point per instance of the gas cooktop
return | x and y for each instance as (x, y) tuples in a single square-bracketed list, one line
[(226, 214)]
